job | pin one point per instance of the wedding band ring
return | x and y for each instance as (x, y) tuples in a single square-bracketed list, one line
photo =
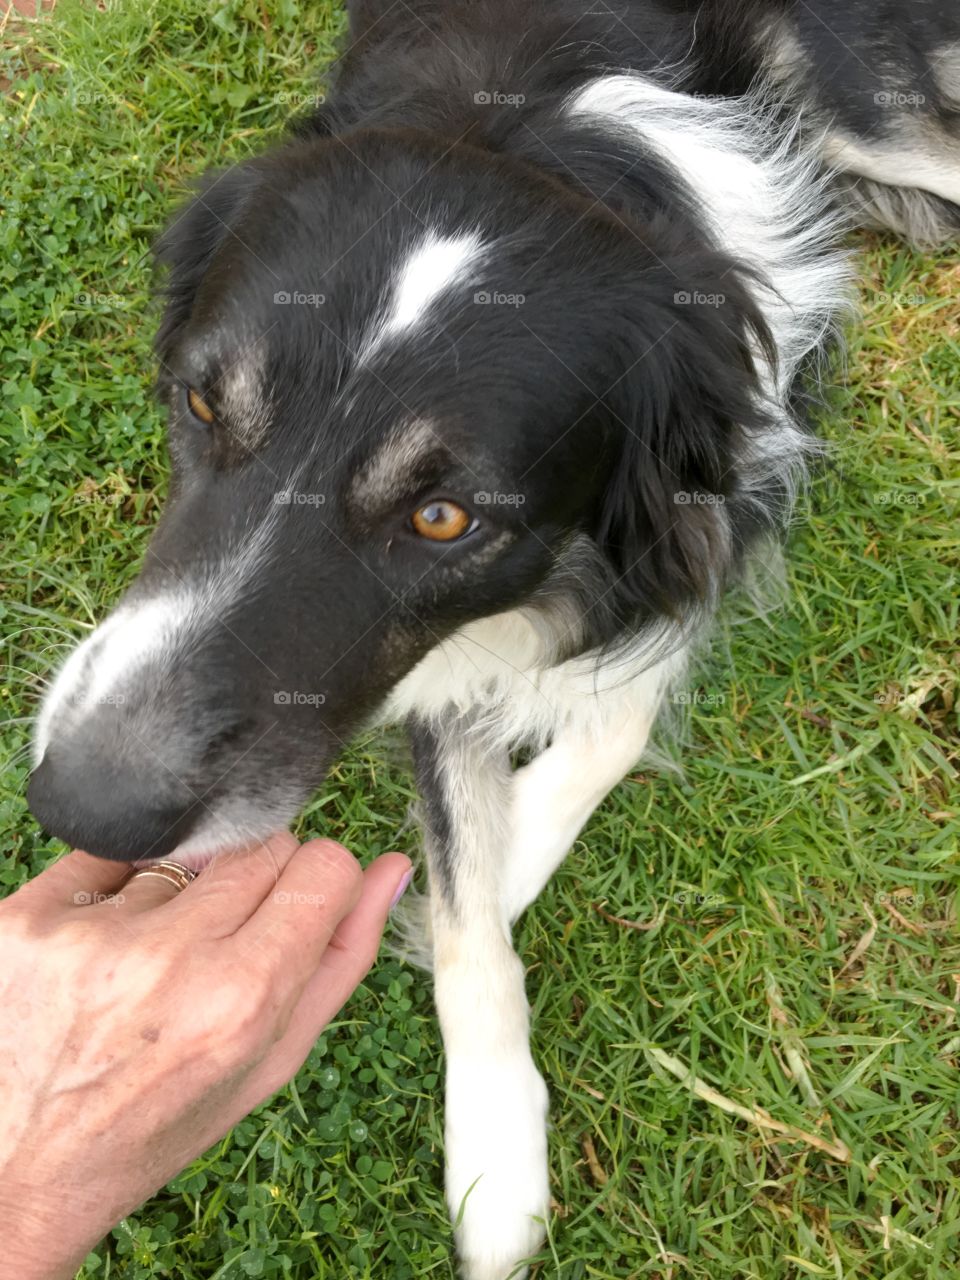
[(173, 872)]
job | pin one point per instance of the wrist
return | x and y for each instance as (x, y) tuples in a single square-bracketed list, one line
[(42, 1242)]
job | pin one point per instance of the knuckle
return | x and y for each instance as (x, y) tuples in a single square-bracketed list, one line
[(367, 954), (22, 944), (348, 878), (337, 863), (330, 877), (359, 956), (236, 1019)]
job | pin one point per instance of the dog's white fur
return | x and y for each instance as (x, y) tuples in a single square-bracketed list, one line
[(894, 181), (437, 263)]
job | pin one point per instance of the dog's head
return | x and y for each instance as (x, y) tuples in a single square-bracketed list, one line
[(403, 380)]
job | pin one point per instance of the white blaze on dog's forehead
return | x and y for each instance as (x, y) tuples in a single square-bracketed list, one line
[(392, 471), (434, 266)]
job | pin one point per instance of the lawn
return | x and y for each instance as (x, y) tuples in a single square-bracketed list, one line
[(797, 886)]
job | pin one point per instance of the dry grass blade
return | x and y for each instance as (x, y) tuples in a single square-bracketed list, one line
[(793, 1047), (837, 1150), (641, 926), (862, 946), (597, 1171)]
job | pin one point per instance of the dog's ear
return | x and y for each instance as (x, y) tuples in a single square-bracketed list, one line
[(687, 394), (187, 246)]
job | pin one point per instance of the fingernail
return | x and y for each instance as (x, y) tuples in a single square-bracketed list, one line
[(401, 887)]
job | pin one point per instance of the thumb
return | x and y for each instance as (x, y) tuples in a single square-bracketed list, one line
[(348, 957), (356, 940), (350, 953)]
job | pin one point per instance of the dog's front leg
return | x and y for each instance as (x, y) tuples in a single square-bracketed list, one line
[(496, 1101)]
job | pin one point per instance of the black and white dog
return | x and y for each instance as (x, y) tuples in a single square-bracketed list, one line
[(482, 388)]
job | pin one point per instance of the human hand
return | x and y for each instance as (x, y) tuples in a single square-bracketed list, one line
[(135, 1029)]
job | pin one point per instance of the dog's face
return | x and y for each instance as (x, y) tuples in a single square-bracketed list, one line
[(401, 384)]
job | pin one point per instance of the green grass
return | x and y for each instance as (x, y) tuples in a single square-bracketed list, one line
[(802, 877)]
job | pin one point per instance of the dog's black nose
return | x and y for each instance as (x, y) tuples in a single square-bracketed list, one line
[(108, 811)]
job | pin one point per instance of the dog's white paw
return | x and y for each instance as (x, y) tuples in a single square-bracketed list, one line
[(497, 1185)]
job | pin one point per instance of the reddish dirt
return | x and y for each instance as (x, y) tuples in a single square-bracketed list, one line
[(26, 8)]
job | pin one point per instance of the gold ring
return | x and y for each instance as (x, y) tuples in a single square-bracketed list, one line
[(174, 873)]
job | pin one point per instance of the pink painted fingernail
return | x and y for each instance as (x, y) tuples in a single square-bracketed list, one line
[(401, 887)]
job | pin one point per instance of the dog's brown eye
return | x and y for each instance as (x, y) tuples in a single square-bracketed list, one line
[(199, 407), (441, 521)]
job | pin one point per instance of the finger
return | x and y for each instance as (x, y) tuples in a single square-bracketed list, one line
[(75, 880), (291, 928), (356, 940), (342, 967), (228, 890), (150, 887)]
